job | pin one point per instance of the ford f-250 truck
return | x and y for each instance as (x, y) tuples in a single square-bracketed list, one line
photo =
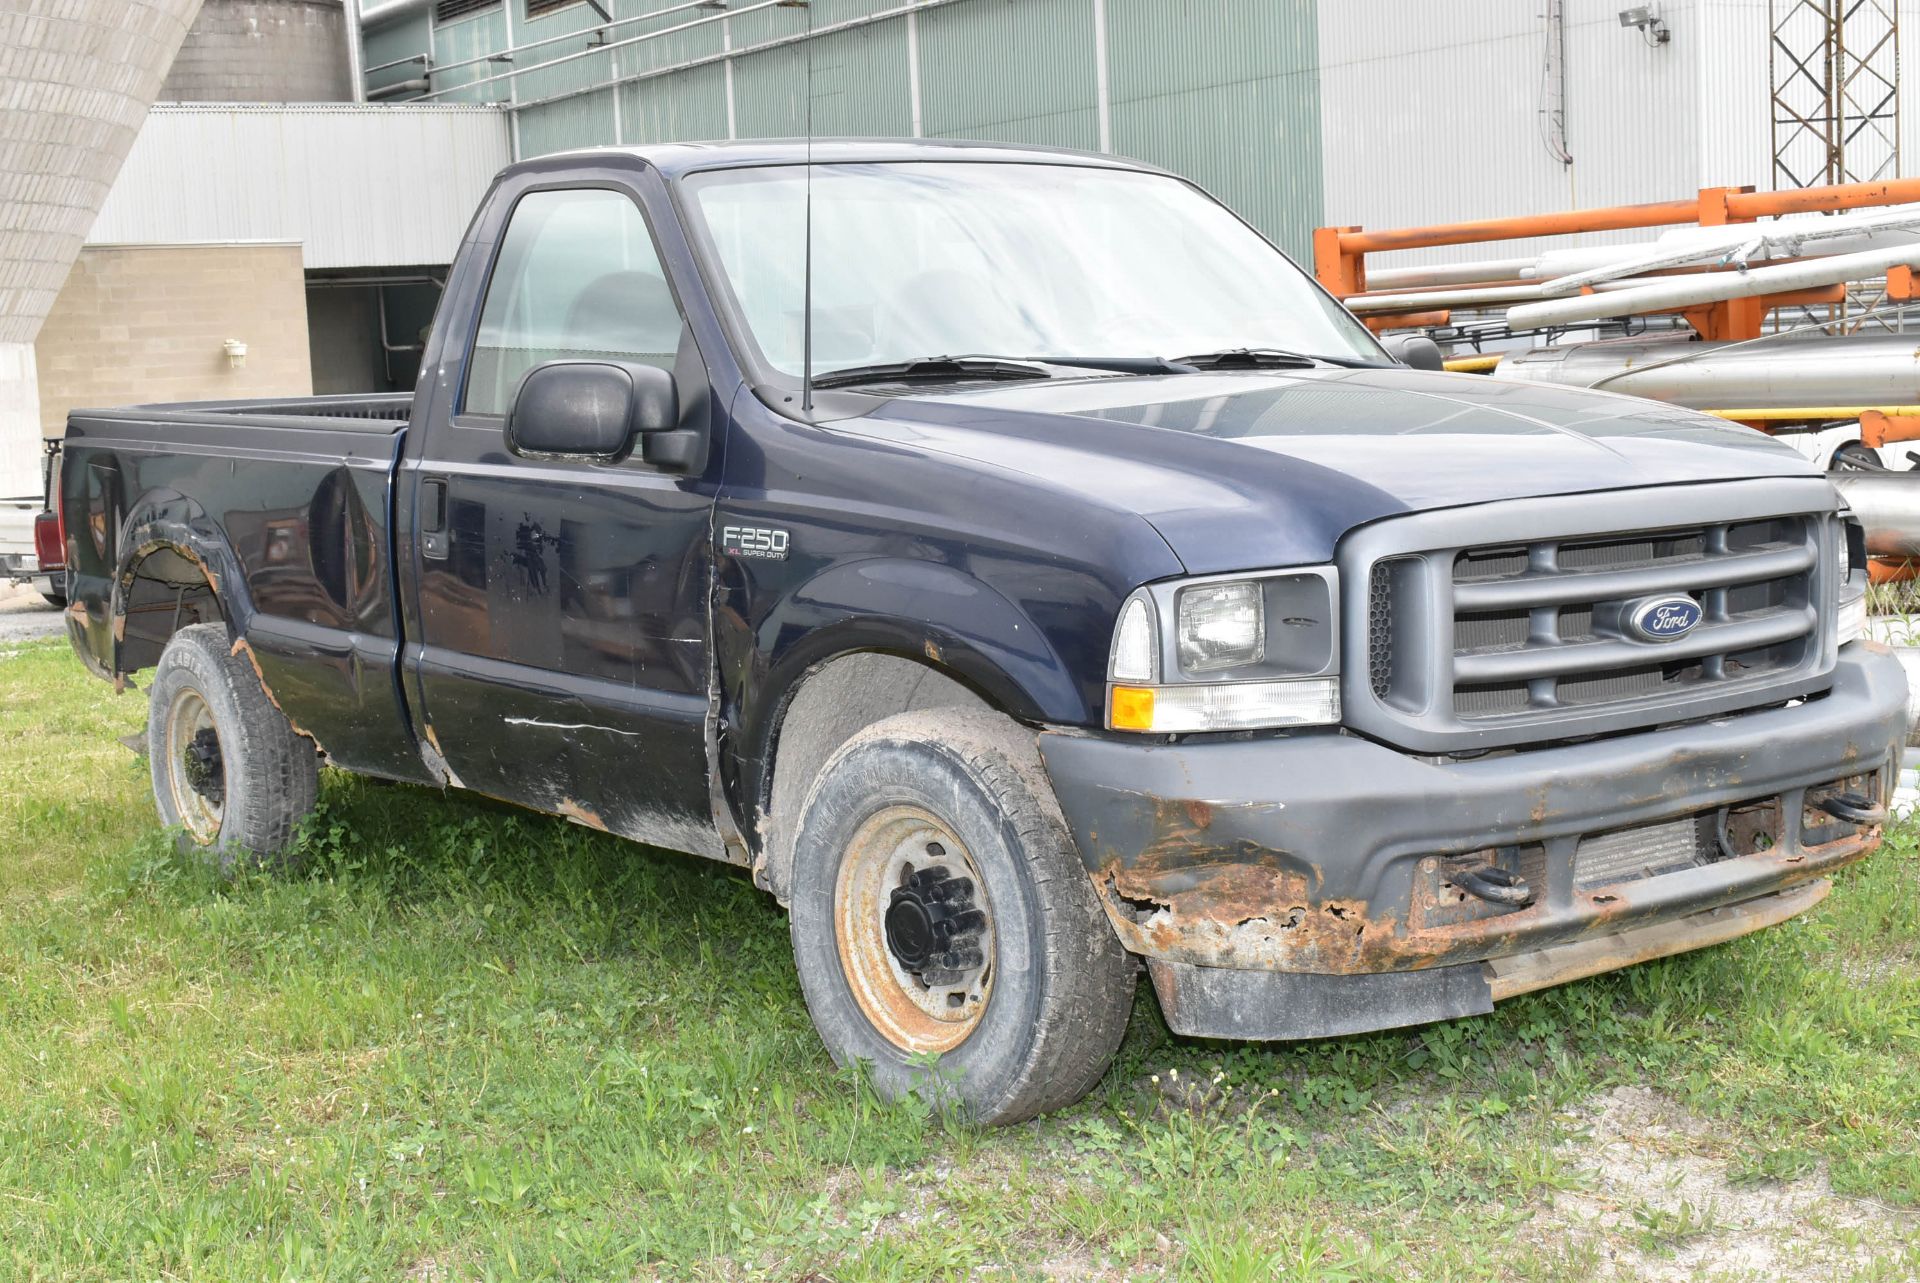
[(1023, 569)]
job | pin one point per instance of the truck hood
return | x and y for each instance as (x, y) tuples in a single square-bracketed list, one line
[(1247, 469)]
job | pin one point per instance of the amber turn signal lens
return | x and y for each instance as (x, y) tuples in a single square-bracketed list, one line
[(1130, 708)]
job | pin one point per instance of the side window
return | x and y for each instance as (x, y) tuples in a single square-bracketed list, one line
[(577, 277)]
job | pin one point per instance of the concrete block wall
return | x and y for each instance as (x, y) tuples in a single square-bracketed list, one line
[(263, 51), (142, 323)]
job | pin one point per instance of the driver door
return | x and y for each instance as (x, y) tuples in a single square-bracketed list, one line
[(562, 603)]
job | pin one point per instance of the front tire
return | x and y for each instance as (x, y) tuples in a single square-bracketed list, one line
[(939, 908), (229, 771)]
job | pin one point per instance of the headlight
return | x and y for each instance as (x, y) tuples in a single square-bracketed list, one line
[(1850, 570), (1221, 626), (1243, 653)]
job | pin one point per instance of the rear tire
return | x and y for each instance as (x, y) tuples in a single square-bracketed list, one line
[(950, 810), (229, 771)]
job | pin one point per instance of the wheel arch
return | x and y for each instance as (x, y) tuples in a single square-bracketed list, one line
[(175, 568), (827, 704)]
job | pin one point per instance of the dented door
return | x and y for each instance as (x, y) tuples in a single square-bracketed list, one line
[(563, 657)]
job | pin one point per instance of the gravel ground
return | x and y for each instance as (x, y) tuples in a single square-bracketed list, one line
[(25, 615)]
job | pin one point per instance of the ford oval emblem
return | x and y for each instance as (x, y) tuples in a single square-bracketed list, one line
[(1659, 619)]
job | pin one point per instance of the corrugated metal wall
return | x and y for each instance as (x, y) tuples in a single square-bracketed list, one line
[(1220, 90), (1429, 123), (1231, 103), (357, 186), (1431, 126)]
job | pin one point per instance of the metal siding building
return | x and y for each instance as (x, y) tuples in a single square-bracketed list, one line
[(1431, 123), (1297, 113), (357, 186), (1219, 90)]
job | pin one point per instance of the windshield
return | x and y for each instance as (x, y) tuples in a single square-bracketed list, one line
[(1009, 260)]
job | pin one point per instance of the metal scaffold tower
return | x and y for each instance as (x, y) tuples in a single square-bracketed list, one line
[(1835, 76)]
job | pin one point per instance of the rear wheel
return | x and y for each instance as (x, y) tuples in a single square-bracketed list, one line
[(229, 771), (939, 908)]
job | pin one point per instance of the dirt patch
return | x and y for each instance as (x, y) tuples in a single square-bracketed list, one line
[(1661, 1206)]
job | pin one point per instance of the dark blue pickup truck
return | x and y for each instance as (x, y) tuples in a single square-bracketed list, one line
[(1023, 569)]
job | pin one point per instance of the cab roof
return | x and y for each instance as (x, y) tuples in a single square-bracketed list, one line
[(675, 159)]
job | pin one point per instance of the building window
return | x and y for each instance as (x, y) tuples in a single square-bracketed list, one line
[(537, 7), (448, 10)]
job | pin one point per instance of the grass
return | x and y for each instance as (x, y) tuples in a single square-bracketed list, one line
[(470, 1042)]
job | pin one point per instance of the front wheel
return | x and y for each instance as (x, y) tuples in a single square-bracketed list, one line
[(940, 910), (229, 770)]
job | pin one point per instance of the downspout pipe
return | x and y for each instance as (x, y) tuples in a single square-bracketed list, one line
[(356, 53)]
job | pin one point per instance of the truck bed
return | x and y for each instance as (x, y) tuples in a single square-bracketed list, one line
[(285, 506)]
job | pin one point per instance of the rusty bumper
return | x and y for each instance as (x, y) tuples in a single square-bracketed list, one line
[(1332, 856)]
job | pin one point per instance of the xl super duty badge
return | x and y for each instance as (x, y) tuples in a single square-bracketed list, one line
[(764, 543)]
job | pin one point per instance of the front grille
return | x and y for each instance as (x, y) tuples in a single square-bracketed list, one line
[(1491, 637), (1544, 626)]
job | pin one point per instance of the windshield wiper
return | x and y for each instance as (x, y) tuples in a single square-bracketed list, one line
[(932, 369), (1119, 364), (1267, 358)]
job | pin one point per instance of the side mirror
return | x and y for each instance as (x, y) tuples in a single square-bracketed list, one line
[(591, 410), (1418, 352)]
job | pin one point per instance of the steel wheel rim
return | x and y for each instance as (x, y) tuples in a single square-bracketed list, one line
[(200, 807), (885, 852)]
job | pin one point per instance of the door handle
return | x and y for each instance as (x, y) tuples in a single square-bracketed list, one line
[(434, 543)]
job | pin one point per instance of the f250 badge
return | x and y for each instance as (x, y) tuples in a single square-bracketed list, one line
[(763, 543)]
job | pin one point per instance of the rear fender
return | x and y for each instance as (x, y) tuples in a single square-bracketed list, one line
[(168, 519)]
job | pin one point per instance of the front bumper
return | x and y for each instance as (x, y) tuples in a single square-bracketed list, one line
[(1313, 872)]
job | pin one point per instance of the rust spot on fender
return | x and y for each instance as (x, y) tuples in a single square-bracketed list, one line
[(580, 814), (932, 649), (240, 647), (436, 760)]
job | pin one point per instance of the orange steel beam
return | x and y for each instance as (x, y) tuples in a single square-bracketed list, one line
[(1734, 205), (1810, 200), (1379, 321), (1735, 319), (1617, 218), (1890, 570), (1878, 428), (1339, 253)]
